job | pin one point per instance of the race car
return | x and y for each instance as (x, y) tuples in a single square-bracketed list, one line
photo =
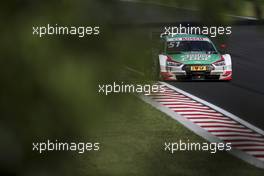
[(192, 57)]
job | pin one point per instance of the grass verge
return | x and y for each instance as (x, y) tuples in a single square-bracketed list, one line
[(132, 143)]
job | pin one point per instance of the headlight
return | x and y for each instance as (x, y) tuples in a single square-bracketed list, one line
[(220, 62), (172, 63)]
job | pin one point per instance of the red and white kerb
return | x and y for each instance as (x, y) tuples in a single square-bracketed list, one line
[(216, 123)]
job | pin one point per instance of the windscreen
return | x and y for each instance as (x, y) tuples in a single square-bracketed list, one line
[(189, 46)]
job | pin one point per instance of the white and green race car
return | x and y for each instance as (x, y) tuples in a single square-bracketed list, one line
[(193, 57)]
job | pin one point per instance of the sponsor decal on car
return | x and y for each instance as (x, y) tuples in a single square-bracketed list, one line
[(188, 39), (195, 57)]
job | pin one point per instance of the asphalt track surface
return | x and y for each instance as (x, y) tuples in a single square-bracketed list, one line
[(244, 95)]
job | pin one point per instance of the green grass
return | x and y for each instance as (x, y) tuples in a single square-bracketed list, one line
[(132, 144)]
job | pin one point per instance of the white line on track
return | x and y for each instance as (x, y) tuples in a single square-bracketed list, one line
[(204, 113), (245, 148), (180, 103), (219, 124), (240, 138), (195, 116), (188, 109), (244, 143), (235, 134)]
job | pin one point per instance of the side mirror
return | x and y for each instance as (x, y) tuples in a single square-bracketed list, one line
[(223, 46)]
